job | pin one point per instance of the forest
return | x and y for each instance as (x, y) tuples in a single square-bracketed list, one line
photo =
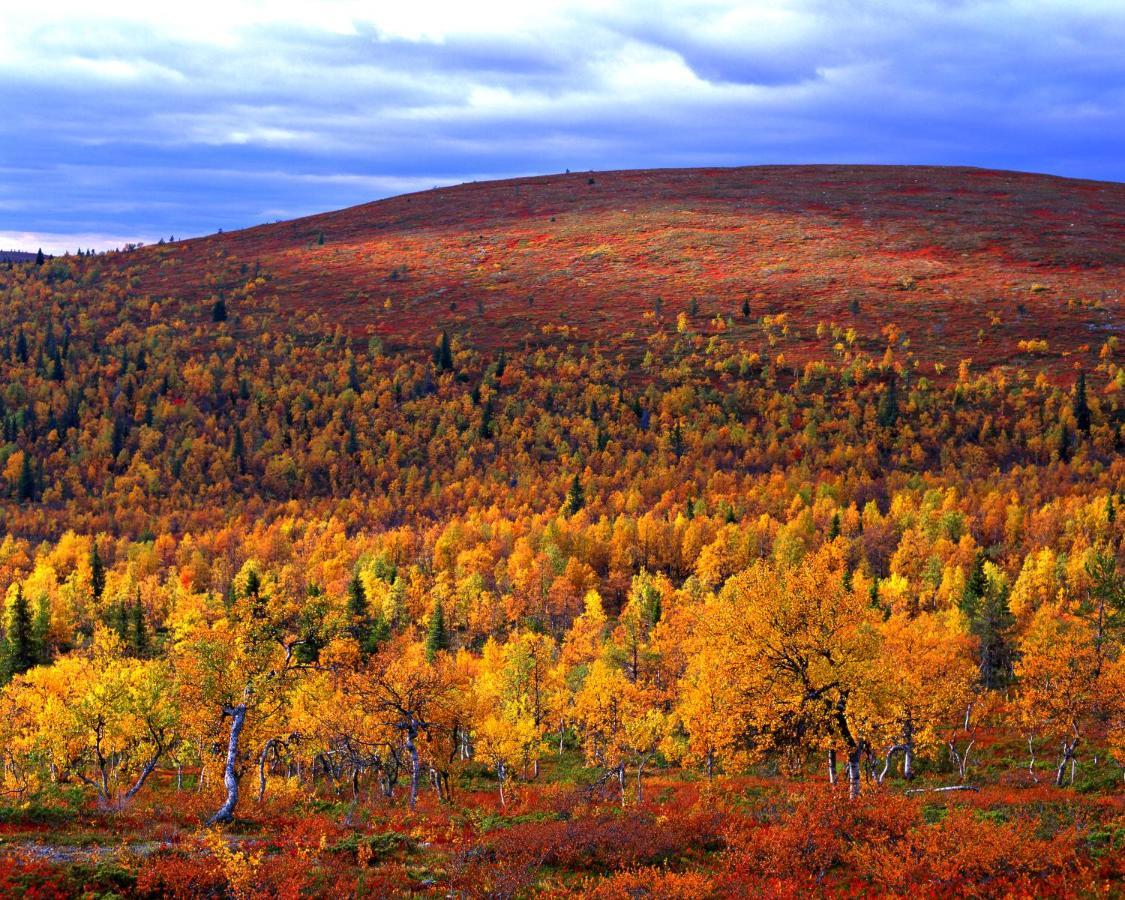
[(722, 596)]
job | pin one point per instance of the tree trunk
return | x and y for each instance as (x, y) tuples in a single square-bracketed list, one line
[(500, 780), (415, 764), (855, 755), (621, 781), (908, 749), (897, 748), (832, 766), (262, 769), (710, 765), (142, 778), (1068, 748), (1031, 759), (230, 776)]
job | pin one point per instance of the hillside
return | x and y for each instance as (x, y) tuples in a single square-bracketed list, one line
[(673, 534), (966, 262)]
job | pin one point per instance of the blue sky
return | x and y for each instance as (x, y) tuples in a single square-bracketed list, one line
[(127, 121)]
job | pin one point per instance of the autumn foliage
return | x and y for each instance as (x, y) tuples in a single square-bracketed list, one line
[(693, 562)]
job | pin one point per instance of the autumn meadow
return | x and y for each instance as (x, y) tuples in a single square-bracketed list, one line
[(674, 534)]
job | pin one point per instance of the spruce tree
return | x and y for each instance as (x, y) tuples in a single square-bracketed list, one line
[(97, 573), (119, 621), (575, 497), (974, 589), (887, 413), (746, 309), (834, 528), (443, 355), (219, 311), (238, 451), (19, 641), (677, 440), (25, 488), (357, 598), (437, 639), (993, 626), (1079, 406), (138, 633)]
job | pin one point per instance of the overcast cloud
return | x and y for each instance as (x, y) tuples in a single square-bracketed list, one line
[(123, 121)]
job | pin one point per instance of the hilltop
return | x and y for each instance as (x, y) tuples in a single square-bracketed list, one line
[(967, 263)]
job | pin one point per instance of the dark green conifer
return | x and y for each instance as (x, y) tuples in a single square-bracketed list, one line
[(97, 573), (575, 497), (1079, 406), (437, 639)]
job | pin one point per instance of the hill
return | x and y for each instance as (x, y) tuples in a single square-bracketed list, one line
[(965, 262), (687, 534)]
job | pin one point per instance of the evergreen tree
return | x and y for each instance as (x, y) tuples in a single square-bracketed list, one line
[(1079, 406), (993, 626), (25, 488), (219, 311), (19, 640), (834, 528), (975, 586), (443, 354), (1064, 443), (119, 621), (437, 639), (97, 573), (746, 309), (21, 347), (40, 258), (138, 633), (1104, 604), (357, 598), (575, 497), (677, 440), (887, 413), (238, 451)]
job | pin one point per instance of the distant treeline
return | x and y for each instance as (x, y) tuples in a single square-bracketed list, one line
[(16, 256)]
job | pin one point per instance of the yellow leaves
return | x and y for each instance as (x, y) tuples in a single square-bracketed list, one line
[(617, 717), (1058, 670), (240, 867), (13, 467), (1036, 585)]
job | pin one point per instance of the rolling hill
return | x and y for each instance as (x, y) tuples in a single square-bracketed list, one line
[(967, 263)]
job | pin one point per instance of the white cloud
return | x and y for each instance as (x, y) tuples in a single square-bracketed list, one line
[(57, 244)]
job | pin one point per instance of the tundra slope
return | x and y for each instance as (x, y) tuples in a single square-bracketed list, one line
[(965, 262)]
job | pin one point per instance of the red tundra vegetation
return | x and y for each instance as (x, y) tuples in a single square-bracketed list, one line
[(673, 534)]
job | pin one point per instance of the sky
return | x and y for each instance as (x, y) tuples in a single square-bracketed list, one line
[(131, 121)]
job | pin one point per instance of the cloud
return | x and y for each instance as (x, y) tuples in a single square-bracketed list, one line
[(133, 120)]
